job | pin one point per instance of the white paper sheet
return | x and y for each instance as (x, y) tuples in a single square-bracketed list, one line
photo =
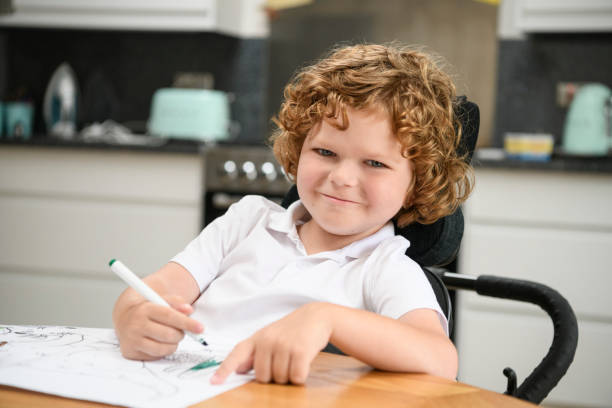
[(86, 363)]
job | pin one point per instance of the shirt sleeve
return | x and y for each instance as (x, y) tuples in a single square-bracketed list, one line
[(395, 284), (202, 257)]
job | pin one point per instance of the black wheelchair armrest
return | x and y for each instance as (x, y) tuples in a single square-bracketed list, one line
[(554, 365)]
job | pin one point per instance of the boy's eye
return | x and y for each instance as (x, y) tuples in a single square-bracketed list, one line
[(324, 152), (374, 163)]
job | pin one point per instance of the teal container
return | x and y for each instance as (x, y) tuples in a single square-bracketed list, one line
[(586, 127), (18, 117), (1, 119)]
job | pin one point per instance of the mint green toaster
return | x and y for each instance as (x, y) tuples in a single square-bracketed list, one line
[(586, 124), (196, 114)]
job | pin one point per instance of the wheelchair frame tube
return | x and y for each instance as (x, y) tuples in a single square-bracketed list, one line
[(560, 355)]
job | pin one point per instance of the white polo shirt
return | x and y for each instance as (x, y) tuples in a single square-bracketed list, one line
[(252, 270)]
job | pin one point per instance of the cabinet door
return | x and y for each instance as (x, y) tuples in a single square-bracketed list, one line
[(241, 18), (182, 15), (563, 15)]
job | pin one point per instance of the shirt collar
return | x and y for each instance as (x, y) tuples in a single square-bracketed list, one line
[(296, 214), (368, 244), (285, 221)]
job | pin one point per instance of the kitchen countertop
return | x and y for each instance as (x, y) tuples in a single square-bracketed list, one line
[(557, 162), (171, 146)]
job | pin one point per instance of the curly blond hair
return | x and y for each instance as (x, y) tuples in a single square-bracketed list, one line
[(419, 99)]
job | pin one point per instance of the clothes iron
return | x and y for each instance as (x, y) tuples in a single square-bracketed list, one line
[(60, 103)]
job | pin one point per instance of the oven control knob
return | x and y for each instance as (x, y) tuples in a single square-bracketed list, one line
[(230, 169), (269, 171), (249, 170)]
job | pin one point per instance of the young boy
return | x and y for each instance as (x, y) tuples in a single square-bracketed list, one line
[(368, 136)]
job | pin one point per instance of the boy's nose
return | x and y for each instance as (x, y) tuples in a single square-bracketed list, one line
[(344, 174)]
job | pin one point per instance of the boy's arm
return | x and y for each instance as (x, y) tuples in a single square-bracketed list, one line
[(147, 331), (283, 351), (416, 342)]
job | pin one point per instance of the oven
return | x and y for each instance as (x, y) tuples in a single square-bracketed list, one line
[(231, 172)]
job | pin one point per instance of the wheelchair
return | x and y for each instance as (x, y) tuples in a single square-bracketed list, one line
[(434, 246)]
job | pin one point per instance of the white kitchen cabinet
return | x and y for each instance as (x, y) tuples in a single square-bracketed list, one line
[(65, 213), (550, 227), (242, 18), (520, 17)]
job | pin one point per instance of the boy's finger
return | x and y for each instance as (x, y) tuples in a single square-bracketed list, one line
[(239, 357), (178, 303), (162, 333), (156, 349), (247, 365), (299, 367), (178, 320), (280, 367), (263, 365), (184, 308)]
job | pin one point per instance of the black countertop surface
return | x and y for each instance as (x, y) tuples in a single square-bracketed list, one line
[(562, 163), (168, 146)]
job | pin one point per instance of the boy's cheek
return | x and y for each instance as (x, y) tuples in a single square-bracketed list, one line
[(304, 180)]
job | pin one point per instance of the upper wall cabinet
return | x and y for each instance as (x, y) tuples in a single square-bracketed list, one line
[(519, 17), (241, 18)]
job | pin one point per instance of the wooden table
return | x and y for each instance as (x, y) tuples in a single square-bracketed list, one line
[(334, 381)]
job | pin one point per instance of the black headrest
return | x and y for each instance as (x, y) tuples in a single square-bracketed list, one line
[(435, 244), (469, 116)]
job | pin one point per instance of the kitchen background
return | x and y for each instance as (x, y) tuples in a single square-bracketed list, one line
[(67, 207), (127, 67), (119, 71), (528, 73)]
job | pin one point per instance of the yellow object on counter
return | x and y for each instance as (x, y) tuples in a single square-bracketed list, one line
[(284, 4), (529, 146)]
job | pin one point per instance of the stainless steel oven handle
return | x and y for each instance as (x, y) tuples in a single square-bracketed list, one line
[(222, 201)]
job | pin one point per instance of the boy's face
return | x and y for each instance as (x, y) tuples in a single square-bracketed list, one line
[(353, 181)]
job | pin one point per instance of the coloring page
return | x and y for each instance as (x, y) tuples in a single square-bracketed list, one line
[(85, 363)]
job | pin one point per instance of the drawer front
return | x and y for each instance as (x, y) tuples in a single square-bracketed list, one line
[(541, 198), (102, 175), (576, 263), (56, 300), (82, 236)]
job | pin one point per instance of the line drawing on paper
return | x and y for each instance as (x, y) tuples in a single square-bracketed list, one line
[(92, 361)]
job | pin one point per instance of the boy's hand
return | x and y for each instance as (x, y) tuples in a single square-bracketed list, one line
[(147, 331), (282, 351)]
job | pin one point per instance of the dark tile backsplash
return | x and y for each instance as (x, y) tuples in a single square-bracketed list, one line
[(131, 65), (529, 71)]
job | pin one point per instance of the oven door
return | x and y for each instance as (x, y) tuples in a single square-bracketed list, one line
[(216, 203)]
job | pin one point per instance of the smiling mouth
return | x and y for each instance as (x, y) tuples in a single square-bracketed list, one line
[(338, 200)]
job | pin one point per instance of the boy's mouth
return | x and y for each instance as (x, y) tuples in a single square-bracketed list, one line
[(338, 200)]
